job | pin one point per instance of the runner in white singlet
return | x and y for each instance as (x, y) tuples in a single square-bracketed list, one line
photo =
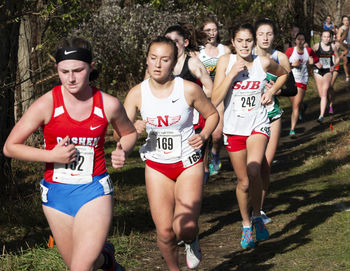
[(299, 56), (240, 82), (209, 54), (174, 168), (265, 34)]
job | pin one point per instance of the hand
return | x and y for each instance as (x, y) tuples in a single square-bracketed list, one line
[(269, 85), (118, 156), (238, 67), (196, 141), (64, 154), (140, 126), (266, 98), (318, 65), (332, 68)]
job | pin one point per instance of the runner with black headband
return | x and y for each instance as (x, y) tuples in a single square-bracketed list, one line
[(76, 191)]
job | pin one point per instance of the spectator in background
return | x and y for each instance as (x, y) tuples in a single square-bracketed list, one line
[(327, 24)]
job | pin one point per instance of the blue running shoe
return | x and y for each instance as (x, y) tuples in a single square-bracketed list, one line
[(215, 160), (215, 165), (260, 229), (212, 170), (247, 237), (108, 249)]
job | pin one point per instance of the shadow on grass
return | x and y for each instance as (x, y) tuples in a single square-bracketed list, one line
[(290, 191), (302, 227)]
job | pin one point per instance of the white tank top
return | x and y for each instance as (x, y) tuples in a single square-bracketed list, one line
[(243, 108), (169, 124), (300, 73), (210, 62)]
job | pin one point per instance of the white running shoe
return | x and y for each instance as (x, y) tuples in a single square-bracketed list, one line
[(193, 254), (264, 217)]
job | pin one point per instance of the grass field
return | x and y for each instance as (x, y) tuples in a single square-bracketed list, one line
[(309, 203)]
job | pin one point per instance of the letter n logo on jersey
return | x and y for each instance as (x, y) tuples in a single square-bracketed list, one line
[(160, 121), (164, 120)]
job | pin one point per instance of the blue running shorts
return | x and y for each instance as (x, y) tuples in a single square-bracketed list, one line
[(69, 198)]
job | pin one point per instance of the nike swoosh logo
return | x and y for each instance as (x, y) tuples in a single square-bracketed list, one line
[(93, 128), (173, 101), (69, 52)]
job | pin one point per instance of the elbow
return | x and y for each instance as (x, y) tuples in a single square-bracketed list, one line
[(6, 151)]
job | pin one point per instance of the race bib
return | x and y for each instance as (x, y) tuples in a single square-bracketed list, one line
[(166, 143), (326, 62), (191, 159), (244, 103), (78, 172)]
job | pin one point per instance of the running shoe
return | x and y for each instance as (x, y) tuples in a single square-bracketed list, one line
[(108, 249), (193, 254), (261, 232), (247, 237), (264, 217), (212, 170), (292, 134), (331, 110), (320, 119), (215, 164)]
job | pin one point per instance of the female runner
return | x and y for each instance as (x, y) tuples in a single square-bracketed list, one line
[(76, 190), (239, 81), (343, 37), (209, 55), (265, 33), (174, 168), (299, 56), (323, 76), (344, 51), (190, 68)]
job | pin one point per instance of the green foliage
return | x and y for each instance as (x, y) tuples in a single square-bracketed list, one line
[(120, 37)]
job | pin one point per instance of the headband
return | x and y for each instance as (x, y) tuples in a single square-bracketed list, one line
[(73, 53)]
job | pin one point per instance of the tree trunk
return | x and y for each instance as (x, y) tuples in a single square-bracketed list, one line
[(25, 90), (9, 30), (338, 13)]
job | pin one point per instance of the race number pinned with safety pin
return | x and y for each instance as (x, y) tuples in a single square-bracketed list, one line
[(77, 172), (246, 102), (326, 62), (165, 143)]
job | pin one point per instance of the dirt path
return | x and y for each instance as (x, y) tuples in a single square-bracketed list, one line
[(220, 221)]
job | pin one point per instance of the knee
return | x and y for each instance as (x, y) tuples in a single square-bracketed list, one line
[(185, 227), (166, 236), (254, 171), (243, 184)]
